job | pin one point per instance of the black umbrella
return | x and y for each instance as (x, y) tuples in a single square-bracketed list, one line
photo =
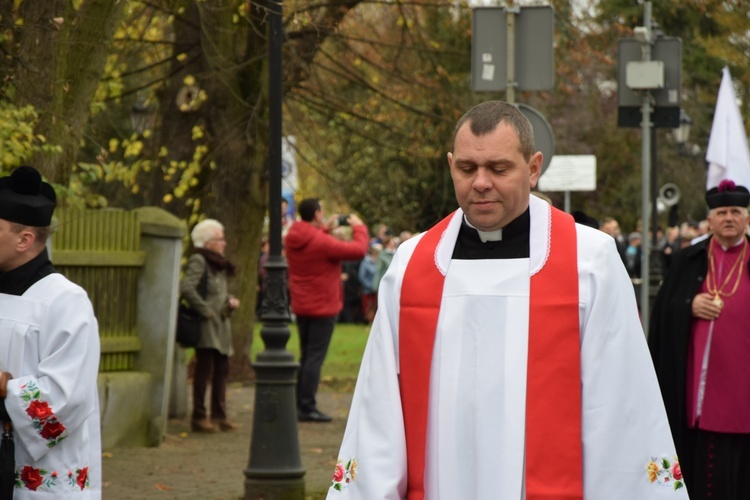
[(7, 462)]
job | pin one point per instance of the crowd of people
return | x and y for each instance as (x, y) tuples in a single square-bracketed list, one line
[(360, 278), (666, 244)]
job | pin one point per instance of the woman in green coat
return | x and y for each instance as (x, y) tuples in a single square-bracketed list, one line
[(204, 287)]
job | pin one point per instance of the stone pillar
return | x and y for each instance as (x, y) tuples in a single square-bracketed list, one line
[(158, 290)]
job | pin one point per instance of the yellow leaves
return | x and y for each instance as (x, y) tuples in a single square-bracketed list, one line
[(189, 80), (133, 148), (182, 57), (197, 133), (113, 145), (17, 138), (90, 171), (153, 33), (168, 198)]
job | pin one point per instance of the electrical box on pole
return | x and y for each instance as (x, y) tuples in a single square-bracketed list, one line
[(665, 90)]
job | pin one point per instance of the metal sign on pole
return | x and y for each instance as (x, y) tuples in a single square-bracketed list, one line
[(544, 139), (649, 72), (643, 76), (568, 173), (665, 113), (531, 59), (512, 49)]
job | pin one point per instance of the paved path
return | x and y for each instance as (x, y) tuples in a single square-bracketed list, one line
[(209, 466)]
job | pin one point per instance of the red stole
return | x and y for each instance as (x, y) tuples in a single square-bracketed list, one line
[(554, 455)]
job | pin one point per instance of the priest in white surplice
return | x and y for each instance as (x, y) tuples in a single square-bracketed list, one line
[(507, 359), (49, 356)]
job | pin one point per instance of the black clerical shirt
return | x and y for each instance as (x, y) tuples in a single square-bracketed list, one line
[(514, 245), (18, 280)]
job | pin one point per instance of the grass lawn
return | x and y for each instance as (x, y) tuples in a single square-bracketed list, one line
[(344, 354)]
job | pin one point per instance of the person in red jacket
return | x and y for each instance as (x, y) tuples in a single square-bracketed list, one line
[(314, 260)]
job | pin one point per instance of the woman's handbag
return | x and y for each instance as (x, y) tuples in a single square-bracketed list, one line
[(188, 326), (189, 321)]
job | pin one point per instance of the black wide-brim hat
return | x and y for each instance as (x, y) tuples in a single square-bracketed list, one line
[(728, 194), (26, 199)]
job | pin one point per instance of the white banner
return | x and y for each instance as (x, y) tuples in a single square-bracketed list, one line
[(728, 155)]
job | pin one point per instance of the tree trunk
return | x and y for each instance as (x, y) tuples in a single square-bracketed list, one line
[(232, 118), (61, 54)]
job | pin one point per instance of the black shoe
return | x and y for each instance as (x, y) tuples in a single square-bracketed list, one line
[(312, 416)]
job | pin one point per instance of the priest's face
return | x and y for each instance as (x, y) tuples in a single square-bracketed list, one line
[(491, 177), (16, 245), (728, 224)]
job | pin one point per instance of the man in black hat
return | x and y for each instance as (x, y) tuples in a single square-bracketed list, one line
[(700, 344), (49, 356)]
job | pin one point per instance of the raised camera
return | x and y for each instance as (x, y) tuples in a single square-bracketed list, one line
[(343, 221)]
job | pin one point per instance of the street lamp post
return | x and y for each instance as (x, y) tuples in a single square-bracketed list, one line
[(274, 471), (682, 133)]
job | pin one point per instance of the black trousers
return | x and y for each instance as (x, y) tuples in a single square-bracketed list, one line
[(211, 367), (314, 338), (721, 467)]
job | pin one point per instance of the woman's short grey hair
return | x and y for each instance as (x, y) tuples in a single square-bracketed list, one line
[(204, 231)]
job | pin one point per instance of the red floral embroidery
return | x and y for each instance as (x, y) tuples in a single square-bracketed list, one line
[(676, 471), (344, 474), (43, 480), (52, 429), (43, 418), (31, 477), (83, 475), (35, 479), (338, 474), (665, 473), (39, 409)]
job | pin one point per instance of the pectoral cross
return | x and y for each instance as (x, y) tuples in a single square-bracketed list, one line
[(717, 300)]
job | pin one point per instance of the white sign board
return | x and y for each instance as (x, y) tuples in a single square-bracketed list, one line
[(569, 173)]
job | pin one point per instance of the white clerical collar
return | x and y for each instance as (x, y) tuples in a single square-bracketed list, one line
[(486, 236), (723, 247)]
